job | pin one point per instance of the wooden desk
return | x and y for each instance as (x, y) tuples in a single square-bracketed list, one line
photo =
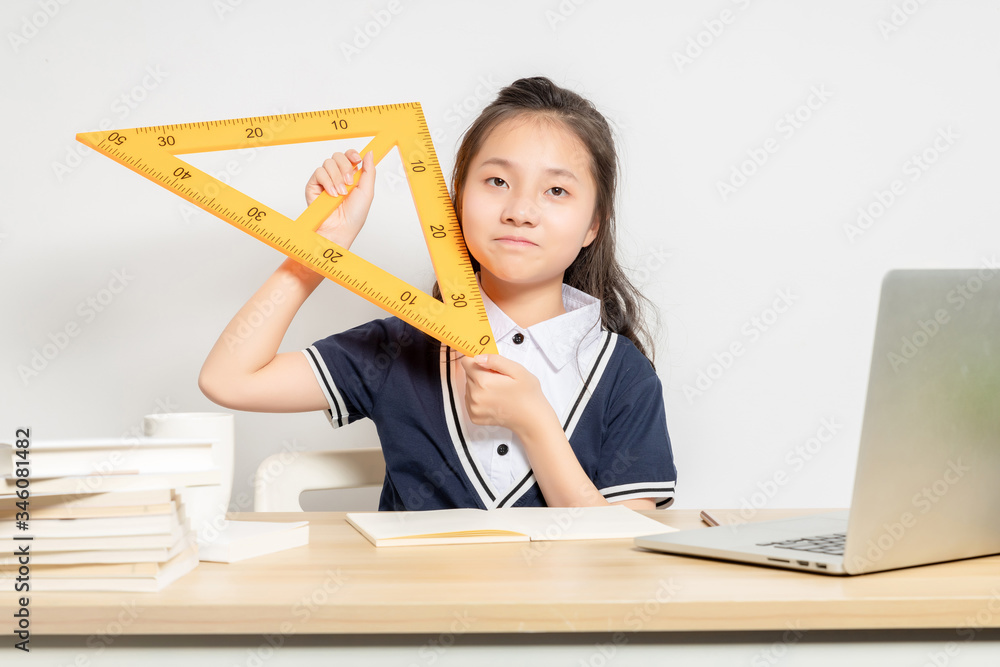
[(341, 584)]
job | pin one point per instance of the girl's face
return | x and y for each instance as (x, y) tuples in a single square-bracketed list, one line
[(528, 202)]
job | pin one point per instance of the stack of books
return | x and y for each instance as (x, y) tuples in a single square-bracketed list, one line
[(102, 514)]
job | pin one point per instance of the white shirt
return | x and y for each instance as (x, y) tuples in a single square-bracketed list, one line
[(555, 351)]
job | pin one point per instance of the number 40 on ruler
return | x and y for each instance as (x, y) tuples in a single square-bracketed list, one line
[(459, 320)]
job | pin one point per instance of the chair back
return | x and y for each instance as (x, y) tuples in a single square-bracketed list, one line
[(281, 478)]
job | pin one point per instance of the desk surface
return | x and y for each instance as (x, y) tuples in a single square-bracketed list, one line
[(340, 583)]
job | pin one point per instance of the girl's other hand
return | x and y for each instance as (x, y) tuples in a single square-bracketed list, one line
[(502, 392), (333, 178)]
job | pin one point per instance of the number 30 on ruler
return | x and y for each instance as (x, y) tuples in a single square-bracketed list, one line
[(459, 321)]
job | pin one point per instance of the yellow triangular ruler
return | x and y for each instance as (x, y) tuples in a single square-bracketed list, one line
[(460, 321)]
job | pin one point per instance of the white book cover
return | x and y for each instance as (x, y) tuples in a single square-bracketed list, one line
[(69, 501), (239, 540), (87, 456), (95, 527), (45, 544), (73, 512), (508, 524), (100, 570), (115, 482), (154, 555), (165, 574)]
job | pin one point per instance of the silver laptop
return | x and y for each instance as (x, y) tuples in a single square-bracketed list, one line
[(927, 486)]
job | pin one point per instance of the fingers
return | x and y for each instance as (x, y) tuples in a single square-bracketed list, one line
[(357, 205), (475, 375), (494, 363), (474, 385), (468, 363), (319, 182), (477, 364), (367, 180), (338, 171), (480, 375)]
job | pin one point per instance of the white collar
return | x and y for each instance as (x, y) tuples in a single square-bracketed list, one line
[(559, 338)]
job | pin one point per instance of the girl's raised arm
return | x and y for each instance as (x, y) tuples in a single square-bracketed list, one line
[(244, 371)]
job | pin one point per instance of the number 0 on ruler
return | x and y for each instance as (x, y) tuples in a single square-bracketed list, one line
[(460, 320)]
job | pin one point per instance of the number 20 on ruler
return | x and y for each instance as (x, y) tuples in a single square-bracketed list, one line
[(459, 321)]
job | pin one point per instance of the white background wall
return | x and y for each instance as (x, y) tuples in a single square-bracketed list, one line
[(886, 81)]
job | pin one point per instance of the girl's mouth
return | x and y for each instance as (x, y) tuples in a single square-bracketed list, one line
[(516, 240)]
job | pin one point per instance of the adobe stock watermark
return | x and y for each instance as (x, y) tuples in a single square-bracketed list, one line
[(786, 127), (562, 12), (560, 523), (795, 460), (162, 406), (129, 439), (122, 107), (589, 495), (113, 463), (367, 32), (711, 31), (417, 497), (926, 330), (650, 264), (635, 620), (99, 642), (87, 310), (751, 331), (246, 325), (290, 452), (913, 169), (969, 630), (456, 118), (388, 352), (433, 648), (899, 16), (224, 8), (773, 654), (32, 24), (273, 127), (302, 611), (923, 502), (463, 112), (225, 175)]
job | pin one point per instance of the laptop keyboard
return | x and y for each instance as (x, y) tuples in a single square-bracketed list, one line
[(822, 544)]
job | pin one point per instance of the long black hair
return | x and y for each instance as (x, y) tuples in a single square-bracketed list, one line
[(596, 270)]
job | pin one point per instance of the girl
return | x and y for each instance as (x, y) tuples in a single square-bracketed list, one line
[(570, 413)]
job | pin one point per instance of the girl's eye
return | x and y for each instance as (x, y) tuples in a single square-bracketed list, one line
[(557, 191), (496, 181)]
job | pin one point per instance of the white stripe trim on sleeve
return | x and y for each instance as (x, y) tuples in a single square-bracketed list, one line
[(662, 492), (337, 412)]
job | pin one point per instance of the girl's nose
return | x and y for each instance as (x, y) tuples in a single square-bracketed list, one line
[(521, 211)]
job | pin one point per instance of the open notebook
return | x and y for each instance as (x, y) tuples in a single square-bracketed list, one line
[(508, 524)]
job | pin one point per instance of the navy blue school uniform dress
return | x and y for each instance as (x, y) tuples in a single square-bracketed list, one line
[(604, 390)]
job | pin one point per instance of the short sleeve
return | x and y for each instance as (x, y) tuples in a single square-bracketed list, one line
[(352, 366), (636, 459)]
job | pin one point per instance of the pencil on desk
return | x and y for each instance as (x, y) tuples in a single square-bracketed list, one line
[(708, 518)]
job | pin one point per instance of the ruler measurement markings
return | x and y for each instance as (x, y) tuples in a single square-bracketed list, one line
[(452, 265)]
